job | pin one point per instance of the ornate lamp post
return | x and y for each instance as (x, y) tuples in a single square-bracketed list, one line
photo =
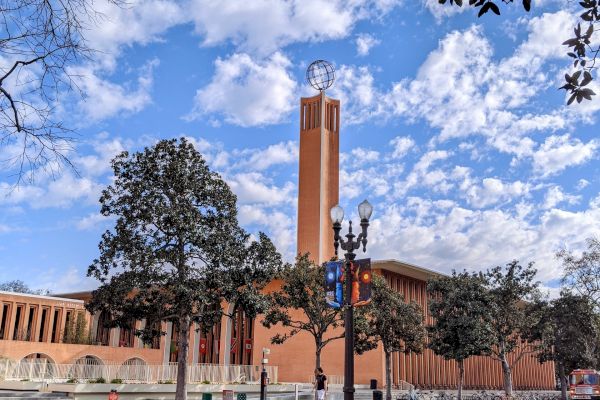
[(365, 209)]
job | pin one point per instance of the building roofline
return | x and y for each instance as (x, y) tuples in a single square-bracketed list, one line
[(40, 296), (406, 266)]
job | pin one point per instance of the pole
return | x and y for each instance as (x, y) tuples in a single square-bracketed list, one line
[(263, 379), (349, 334)]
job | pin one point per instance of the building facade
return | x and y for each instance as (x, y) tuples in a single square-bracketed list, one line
[(51, 328)]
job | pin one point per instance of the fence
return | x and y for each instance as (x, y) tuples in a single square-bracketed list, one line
[(43, 370)]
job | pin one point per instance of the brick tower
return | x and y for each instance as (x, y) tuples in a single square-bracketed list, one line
[(318, 178)]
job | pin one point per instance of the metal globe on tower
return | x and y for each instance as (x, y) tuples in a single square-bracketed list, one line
[(320, 74)]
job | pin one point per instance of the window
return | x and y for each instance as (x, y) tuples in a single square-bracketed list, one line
[(4, 322), (30, 327), (44, 325), (126, 335), (56, 326), (17, 333)]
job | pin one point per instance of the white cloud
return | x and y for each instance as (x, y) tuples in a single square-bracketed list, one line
[(105, 149), (359, 156), (401, 144), (583, 183), (254, 187), (261, 159), (248, 92), (441, 238), (104, 99), (243, 22), (91, 221), (364, 43), (117, 27), (281, 231), (441, 11), (555, 196), (60, 192), (493, 190), (354, 87), (560, 152)]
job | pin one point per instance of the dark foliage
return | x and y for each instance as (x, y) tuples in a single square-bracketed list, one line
[(176, 252)]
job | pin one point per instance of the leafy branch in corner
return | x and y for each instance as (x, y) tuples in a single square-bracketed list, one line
[(583, 52)]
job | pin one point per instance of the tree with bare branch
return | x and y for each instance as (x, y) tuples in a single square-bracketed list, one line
[(39, 40)]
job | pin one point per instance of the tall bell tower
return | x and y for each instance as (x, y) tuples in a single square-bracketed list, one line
[(318, 178)]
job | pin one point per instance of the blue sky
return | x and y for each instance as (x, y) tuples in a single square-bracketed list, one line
[(452, 126)]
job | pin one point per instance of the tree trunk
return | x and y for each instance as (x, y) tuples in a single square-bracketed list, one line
[(563, 381), (182, 353), (507, 374), (388, 376), (461, 377), (318, 357)]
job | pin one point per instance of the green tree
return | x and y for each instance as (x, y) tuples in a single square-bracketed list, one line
[(18, 286), (567, 333), (511, 289), (459, 305), (581, 274), (393, 322), (176, 252), (300, 305)]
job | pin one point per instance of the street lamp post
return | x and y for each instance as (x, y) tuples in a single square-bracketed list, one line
[(365, 209)]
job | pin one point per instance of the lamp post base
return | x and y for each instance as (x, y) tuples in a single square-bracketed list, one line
[(349, 393)]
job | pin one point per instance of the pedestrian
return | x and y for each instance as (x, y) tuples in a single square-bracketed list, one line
[(113, 395), (320, 384)]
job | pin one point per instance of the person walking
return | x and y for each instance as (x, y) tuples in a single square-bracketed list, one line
[(320, 384)]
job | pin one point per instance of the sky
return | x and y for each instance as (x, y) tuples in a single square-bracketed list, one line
[(452, 127)]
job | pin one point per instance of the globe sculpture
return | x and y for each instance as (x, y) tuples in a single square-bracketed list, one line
[(320, 74)]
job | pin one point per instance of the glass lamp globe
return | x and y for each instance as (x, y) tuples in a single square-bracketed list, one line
[(337, 214), (365, 209)]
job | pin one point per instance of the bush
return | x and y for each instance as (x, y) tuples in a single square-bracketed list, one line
[(167, 382), (116, 380), (205, 382), (99, 380), (25, 380), (72, 380)]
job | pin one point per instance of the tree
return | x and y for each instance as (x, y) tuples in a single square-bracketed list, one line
[(582, 274), (18, 286), (511, 288), (584, 54), (40, 40), (177, 252), (393, 322), (459, 305), (567, 333), (303, 290)]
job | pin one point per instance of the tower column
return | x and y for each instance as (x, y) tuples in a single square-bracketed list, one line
[(318, 186)]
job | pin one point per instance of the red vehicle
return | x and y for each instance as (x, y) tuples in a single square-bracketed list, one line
[(584, 384)]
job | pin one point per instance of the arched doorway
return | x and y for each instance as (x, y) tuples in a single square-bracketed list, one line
[(86, 368), (134, 369)]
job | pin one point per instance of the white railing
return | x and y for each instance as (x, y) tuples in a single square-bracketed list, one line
[(331, 379), (42, 370)]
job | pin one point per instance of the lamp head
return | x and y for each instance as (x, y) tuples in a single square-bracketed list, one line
[(365, 209), (337, 214)]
